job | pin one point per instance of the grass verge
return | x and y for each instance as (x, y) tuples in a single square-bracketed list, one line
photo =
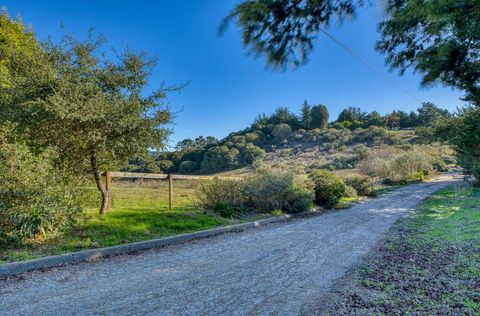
[(429, 264), (138, 213)]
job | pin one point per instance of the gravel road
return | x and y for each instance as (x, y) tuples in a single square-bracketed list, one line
[(277, 269)]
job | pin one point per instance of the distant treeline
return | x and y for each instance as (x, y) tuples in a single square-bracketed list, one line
[(267, 132)]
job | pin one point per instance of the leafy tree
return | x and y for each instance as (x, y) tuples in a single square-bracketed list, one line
[(36, 198), (260, 121), (375, 119), (319, 116), (187, 167), (202, 142), (19, 50), (439, 39), (220, 158), (405, 120), (351, 114), (185, 144), (25, 73), (283, 115), (251, 153), (284, 31), (165, 165), (463, 132), (146, 163), (393, 120), (466, 142), (306, 116), (412, 119), (93, 109), (429, 113)]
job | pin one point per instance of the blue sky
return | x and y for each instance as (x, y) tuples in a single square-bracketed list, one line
[(228, 88)]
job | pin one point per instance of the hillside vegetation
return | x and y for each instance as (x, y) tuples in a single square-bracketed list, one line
[(305, 141)]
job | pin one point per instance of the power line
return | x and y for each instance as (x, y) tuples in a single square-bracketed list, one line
[(370, 66)]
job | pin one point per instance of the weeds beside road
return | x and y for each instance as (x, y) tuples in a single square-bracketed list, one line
[(428, 265)]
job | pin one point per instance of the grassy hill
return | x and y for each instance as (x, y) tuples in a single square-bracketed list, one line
[(289, 140)]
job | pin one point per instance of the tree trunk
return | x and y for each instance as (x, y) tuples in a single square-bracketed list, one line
[(97, 174)]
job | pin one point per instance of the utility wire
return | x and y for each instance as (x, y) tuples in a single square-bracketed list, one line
[(370, 66)]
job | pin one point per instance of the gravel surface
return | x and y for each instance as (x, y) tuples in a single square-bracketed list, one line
[(277, 269)]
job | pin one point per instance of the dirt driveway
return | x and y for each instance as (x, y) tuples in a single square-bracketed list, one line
[(277, 269)]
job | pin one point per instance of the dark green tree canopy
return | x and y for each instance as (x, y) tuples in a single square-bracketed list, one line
[(284, 30), (439, 39), (351, 114), (283, 115), (319, 116), (429, 114), (374, 118), (306, 116)]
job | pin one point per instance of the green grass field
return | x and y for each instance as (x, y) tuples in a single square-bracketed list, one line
[(139, 212)]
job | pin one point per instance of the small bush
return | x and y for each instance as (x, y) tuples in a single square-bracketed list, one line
[(265, 190), (329, 188), (224, 209), (35, 202), (298, 200), (362, 184), (440, 165), (397, 166), (223, 196), (343, 162), (410, 166), (268, 190), (282, 131), (350, 191), (361, 151)]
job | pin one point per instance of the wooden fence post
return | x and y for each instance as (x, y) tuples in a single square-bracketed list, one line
[(108, 187), (170, 191)]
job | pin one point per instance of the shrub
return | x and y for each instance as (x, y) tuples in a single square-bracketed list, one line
[(267, 190), (222, 196), (343, 162), (35, 202), (329, 188), (410, 166), (361, 151), (350, 191), (298, 200), (376, 164), (362, 184), (253, 137), (264, 190), (282, 131), (396, 166), (251, 153)]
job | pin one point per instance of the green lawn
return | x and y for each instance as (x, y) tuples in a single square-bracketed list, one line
[(139, 212), (429, 265)]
